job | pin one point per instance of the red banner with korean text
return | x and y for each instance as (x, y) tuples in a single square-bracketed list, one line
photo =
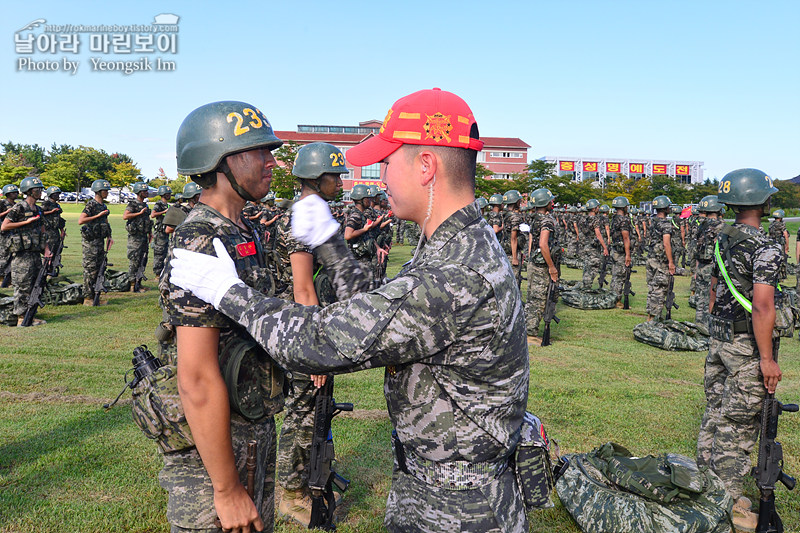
[(613, 167), (682, 170), (659, 169), (568, 166), (369, 182), (636, 168), (590, 167)]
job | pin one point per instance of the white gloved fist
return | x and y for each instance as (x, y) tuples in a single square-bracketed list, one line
[(206, 276), (312, 222)]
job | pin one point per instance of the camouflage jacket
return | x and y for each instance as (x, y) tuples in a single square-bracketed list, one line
[(98, 228), (620, 223), (53, 221), (141, 225), (285, 246), (494, 219), (160, 206), (655, 235), (757, 259), (776, 229), (513, 219), (588, 226), (30, 237), (449, 328), (706, 237), (544, 221)]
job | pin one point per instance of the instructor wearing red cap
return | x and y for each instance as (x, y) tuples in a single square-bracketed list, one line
[(449, 328)]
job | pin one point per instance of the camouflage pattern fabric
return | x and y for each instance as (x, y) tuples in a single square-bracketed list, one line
[(157, 410), (600, 505), (776, 233), (25, 267), (285, 246), (619, 223), (581, 298), (142, 224), (53, 223), (30, 237), (533, 464), (160, 238), (59, 293), (96, 229), (7, 315), (27, 243), (538, 282), (450, 330), (93, 252), (137, 253), (117, 281), (294, 449), (657, 277), (672, 335), (592, 251)]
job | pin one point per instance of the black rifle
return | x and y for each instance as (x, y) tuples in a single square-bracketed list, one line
[(626, 288), (35, 297), (669, 302), (7, 274), (601, 279), (139, 276), (100, 283), (321, 476), (520, 277), (769, 469), (550, 310), (55, 265)]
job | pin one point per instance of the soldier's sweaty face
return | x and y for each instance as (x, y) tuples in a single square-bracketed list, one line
[(253, 170)]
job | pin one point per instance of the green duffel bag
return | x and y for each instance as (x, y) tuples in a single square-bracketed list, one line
[(672, 335), (610, 491), (589, 298), (59, 293), (7, 316), (117, 281)]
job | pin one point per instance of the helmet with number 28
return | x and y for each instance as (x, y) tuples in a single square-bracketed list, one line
[(746, 186)]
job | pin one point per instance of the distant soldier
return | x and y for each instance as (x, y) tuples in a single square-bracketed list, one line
[(95, 229), (160, 237), (594, 246), (543, 256), (495, 216), (660, 261), (27, 237), (678, 235), (356, 230), (54, 223), (177, 212), (778, 233), (710, 226), (621, 230), (140, 232), (11, 193), (573, 233), (513, 219), (603, 213)]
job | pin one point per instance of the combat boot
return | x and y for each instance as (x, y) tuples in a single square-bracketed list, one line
[(744, 520), (34, 322), (133, 287), (296, 505)]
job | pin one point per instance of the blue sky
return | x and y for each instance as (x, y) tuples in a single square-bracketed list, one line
[(716, 81)]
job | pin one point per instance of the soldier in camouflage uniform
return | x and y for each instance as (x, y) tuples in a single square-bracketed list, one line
[(621, 231), (740, 367), (511, 224), (710, 226), (178, 211), (660, 260), (543, 255), (495, 216), (160, 237), (605, 223), (678, 235), (356, 231), (140, 233), (778, 233), (27, 240), (208, 480), (572, 232), (314, 167), (594, 245), (95, 229), (11, 192), (54, 223), (449, 329)]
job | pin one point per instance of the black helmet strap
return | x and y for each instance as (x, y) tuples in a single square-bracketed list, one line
[(225, 169)]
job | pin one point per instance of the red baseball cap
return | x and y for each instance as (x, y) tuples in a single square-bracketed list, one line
[(431, 117)]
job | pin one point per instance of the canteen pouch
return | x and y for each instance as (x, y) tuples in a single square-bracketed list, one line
[(158, 411), (533, 467), (784, 315), (720, 328), (254, 382)]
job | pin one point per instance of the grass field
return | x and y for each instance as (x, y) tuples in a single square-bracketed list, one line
[(66, 465)]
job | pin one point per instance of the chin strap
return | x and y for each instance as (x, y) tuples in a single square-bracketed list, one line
[(225, 169)]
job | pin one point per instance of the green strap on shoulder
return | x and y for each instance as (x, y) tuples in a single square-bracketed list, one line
[(736, 294)]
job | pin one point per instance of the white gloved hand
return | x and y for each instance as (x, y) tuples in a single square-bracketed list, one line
[(312, 222), (206, 276)]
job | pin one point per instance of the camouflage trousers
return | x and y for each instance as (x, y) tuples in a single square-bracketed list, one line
[(160, 247), (5, 255), (25, 267), (416, 507), (617, 270), (538, 281), (730, 426), (92, 257), (702, 286), (294, 446), (592, 261), (572, 247), (657, 285), (191, 496), (137, 253), (401, 232)]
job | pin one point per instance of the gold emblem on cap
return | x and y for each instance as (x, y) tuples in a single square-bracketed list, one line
[(438, 127), (386, 120)]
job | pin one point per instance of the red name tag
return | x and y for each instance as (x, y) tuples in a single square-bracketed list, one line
[(246, 248)]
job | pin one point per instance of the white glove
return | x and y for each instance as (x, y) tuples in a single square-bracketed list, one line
[(524, 228), (206, 276), (312, 222)]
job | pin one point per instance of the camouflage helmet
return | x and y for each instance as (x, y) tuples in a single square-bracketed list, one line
[(164, 189), (359, 192), (496, 199), (178, 197), (101, 185), (661, 202), (572, 209), (216, 130), (52, 190), (710, 204), (634, 210), (31, 182), (746, 186), (591, 204), (511, 197), (482, 202), (604, 208), (373, 191), (10, 188), (694, 209), (778, 214), (675, 209), (190, 190), (315, 159), (139, 187), (542, 197), (620, 202)]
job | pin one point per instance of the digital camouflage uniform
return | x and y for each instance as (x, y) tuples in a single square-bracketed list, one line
[(450, 331), (513, 219), (26, 243), (707, 236), (363, 246), (191, 495), (93, 235), (658, 265), (160, 238), (494, 219), (139, 229), (592, 249), (5, 244), (733, 383), (53, 223), (776, 232), (678, 249), (619, 223), (538, 274)]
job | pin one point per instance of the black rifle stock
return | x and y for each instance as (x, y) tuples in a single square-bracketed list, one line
[(550, 310), (35, 297), (626, 288), (601, 279), (139, 276), (669, 302), (55, 265), (321, 476), (520, 277), (100, 283), (769, 469), (6, 282)]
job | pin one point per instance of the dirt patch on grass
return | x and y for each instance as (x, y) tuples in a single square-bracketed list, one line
[(43, 397)]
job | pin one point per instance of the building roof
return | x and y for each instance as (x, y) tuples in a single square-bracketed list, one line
[(504, 142), (355, 138)]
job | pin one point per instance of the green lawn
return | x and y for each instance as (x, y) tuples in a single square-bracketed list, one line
[(67, 465)]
